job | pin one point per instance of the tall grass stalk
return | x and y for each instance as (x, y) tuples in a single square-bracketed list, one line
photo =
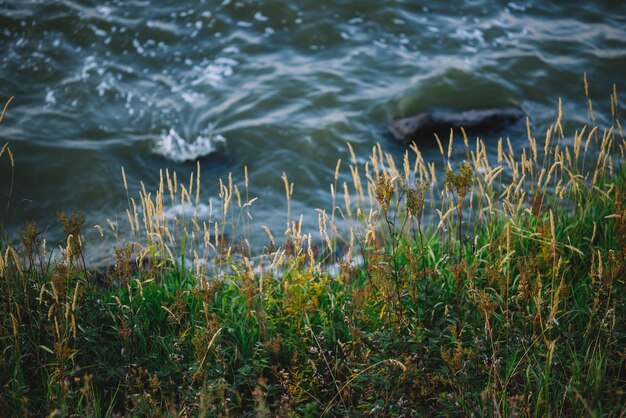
[(496, 289)]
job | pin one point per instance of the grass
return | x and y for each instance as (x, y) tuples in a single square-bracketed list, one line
[(503, 296)]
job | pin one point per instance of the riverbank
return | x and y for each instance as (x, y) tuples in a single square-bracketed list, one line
[(101, 85), (510, 302)]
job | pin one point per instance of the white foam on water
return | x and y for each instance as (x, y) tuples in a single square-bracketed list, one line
[(104, 10), (226, 62), (474, 35), (138, 47), (231, 50), (380, 43), (97, 31), (200, 211), (207, 210), (191, 98), (214, 72), (103, 87), (50, 99), (174, 147), (260, 17), (517, 6)]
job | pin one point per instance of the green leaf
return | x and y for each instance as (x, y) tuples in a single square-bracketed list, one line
[(43, 347)]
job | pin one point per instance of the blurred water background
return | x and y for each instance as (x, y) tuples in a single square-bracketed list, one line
[(275, 86)]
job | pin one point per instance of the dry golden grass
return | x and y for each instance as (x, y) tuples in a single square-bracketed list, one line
[(489, 286)]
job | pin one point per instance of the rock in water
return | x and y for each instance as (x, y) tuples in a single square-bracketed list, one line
[(423, 126)]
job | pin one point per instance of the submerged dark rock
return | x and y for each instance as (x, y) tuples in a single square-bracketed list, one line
[(424, 126)]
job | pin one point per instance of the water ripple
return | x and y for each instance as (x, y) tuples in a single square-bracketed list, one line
[(288, 83)]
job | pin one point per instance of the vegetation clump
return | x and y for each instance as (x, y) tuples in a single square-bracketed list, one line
[(503, 298)]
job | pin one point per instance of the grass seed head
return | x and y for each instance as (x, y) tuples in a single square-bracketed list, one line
[(415, 198), (72, 225), (30, 236), (384, 192), (462, 182)]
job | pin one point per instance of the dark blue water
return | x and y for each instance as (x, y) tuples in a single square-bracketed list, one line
[(274, 86)]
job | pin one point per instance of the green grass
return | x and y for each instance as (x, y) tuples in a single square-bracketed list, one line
[(510, 304)]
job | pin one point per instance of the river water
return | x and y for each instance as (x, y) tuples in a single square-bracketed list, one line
[(275, 86)]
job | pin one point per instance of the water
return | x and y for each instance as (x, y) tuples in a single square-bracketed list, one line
[(274, 86)]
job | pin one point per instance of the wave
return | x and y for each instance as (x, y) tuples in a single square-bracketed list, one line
[(174, 147), (200, 211)]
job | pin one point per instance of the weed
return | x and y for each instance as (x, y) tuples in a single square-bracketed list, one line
[(497, 291)]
